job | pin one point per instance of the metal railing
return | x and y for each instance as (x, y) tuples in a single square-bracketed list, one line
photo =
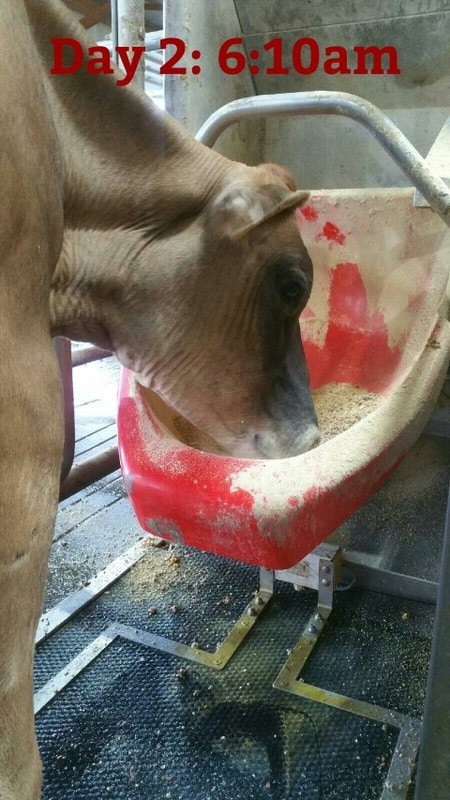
[(433, 189), (75, 478)]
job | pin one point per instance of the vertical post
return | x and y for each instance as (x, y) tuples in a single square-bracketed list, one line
[(64, 355), (128, 30), (433, 775)]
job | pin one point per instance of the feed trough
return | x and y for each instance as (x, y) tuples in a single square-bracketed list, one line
[(377, 343)]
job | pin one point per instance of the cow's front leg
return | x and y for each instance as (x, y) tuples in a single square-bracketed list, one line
[(30, 454)]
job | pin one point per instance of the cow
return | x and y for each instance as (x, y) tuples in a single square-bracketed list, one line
[(118, 228)]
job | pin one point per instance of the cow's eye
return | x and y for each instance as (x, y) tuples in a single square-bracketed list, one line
[(292, 289)]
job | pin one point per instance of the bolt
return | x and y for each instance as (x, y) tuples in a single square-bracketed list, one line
[(325, 582), (251, 612), (312, 628), (259, 601), (317, 617), (326, 568), (218, 661)]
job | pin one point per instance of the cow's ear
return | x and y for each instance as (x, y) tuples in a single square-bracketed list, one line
[(291, 200), (241, 207)]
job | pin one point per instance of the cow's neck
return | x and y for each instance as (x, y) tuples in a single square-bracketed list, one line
[(92, 268), (126, 162)]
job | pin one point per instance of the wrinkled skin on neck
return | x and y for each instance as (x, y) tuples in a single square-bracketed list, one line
[(210, 323)]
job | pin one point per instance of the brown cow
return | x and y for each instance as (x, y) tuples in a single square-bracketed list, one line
[(189, 266)]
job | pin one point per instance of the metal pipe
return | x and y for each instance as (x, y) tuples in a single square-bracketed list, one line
[(374, 579), (153, 41), (342, 103), (128, 30), (87, 354), (89, 471), (438, 159), (63, 352), (433, 775)]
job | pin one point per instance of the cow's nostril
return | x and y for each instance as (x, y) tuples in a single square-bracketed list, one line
[(317, 438)]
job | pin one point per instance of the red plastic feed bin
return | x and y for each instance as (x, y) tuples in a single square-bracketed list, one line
[(378, 302)]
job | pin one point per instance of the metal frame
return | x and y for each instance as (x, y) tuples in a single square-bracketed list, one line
[(438, 159), (63, 353), (289, 679), (433, 189), (396, 584), (54, 619), (320, 570), (73, 479), (128, 29), (66, 610), (87, 354)]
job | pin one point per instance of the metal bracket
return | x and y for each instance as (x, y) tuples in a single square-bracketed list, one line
[(321, 570), (216, 660)]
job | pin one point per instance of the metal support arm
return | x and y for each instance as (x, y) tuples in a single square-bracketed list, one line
[(349, 105)]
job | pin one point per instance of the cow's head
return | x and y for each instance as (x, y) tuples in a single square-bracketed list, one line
[(222, 345)]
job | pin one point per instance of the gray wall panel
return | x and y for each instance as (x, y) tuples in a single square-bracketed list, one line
[(422, 44), (192, 98), (323, 152), (258, 16)]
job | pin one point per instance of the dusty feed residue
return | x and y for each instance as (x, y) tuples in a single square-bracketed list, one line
[(340, 405), (178, 426), (153, 575)]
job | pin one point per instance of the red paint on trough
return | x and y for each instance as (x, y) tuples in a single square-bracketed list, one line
[(184, 494), (356, 348), (309, 213), (331, 232), (188, 497)]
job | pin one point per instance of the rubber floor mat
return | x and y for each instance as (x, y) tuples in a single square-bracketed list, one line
[(139, 724)]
